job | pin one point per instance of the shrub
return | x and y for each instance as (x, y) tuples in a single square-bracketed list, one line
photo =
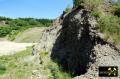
[(2, 68), (76, 3), (68, 9), (4, 18), (110, 25), (89, 4), (33, 22), (4, 31), (92, 4), (55, 72), (96, 14), (14, 26), (116, 10)]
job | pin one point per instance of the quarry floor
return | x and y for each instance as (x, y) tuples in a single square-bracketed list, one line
[(9, 48)]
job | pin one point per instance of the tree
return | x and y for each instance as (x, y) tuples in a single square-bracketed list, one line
[(76, 3), (116, 10)]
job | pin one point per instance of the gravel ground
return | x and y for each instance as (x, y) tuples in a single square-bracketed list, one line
[(9, 48)]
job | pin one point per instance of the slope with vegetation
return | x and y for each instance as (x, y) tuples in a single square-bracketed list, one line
[(31, 35), (107, 14), (75, 50), (86, 39), (24, 66), (14, 26)]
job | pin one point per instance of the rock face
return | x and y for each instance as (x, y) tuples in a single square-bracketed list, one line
[(48, 38), (74, 45), (79, 48)]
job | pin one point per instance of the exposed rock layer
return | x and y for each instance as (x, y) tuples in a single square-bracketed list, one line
[(79, 48), (74, 45)]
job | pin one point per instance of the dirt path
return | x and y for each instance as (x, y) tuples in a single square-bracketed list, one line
[(9, 48)]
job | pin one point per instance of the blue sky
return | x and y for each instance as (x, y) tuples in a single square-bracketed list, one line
[(33, 8)]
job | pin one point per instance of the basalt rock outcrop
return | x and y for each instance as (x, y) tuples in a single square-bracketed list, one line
[(78, 46), (73, 47)]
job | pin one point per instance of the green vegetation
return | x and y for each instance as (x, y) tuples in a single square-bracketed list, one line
[(2, 68), (19, 66), (88, 4), (2, 18), (53, 68), (110, 25), (68, 9), (92, 4), (4, 31), (77, 3), (11, 67), (30, 35), (13, 26), (96, 14), (109, 21), (116, 10)]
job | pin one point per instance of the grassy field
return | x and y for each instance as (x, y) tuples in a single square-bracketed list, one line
[(11, 67), (29, 36), (16, 67)]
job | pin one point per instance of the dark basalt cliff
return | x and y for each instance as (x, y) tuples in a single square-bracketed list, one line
[(78, 47), (73, 47)]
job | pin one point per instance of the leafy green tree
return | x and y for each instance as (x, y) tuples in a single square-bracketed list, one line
[(68, 9), (4, 18), (5, 31), (76, 3), (17, 25), (116, 10)]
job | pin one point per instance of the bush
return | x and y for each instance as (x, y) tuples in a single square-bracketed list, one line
[(116, 10), (4, 18), (89, 4), (14, 26), (92, 4), (68, 9), (5, 31), (96, 14), (33, 22), (110, 25), (55, 72), (76, 3), (2, 68)]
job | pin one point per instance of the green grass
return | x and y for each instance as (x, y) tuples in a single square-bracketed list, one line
[(110, 25), (88, 4), (29, 35), (18, 25), (109, 22), (116, 10), (54, 70), (11, 66), (14, 67), (2, 68)]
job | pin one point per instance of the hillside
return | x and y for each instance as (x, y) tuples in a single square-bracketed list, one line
[(81, 40), (87, 39), (30, 35), (79, 48), (11, 27)]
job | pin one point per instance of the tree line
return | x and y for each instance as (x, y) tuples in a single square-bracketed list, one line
[(14, 26)]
